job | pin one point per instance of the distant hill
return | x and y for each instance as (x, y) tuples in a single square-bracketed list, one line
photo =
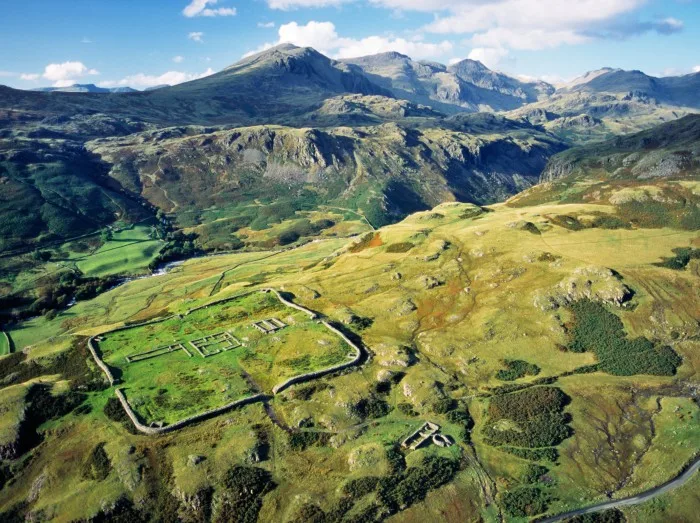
[(284, 80), (85, 88), (387, 170), (668, 150), (651, 178), (680, 91), (465, 86)]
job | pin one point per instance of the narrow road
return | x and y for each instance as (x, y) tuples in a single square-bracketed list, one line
[(678, 481)]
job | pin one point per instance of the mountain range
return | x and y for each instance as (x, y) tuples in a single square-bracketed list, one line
[(289, 81), (85, 88), (386, 133)]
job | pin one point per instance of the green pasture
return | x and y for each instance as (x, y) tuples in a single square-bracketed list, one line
[(174, 385), (129, 251)]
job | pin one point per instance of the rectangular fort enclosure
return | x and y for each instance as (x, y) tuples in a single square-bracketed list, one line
[(192, 363)]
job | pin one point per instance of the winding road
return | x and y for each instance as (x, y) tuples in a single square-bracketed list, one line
[(678, 481)]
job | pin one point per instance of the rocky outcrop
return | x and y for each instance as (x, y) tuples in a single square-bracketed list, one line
[(592, 283)]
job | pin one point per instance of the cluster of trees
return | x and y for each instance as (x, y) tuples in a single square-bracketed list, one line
[(371, 408), (97, 466), (240, 499), (532, 496), (682, 258), (461, 416), (53, 295), (533, 418), (598, 330), (515, 369), (178, 246)]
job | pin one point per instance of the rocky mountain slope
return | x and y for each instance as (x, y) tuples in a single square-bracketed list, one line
[(680, 91), (387, 170), (669, 150), (651, 178), (465, 86), (85, 88), (285, 80)]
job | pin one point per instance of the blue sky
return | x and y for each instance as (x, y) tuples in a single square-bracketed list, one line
[(149, 42)]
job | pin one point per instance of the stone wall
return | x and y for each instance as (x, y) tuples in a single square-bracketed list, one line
[(183, 422)]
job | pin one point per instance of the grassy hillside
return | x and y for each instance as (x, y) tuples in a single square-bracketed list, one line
[(649, 177), (257, 177), (445, 300)]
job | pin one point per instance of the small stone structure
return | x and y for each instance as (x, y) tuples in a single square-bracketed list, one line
[(429, 432), (159, 351), (269, 325), (225, 340)]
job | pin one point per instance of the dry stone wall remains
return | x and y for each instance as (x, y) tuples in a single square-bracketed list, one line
[(355, 359)]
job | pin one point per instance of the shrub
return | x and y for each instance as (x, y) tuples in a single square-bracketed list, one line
[(461, 417), (544, 454), (302, 440), (612, 515), (97, 466), (526, 501), (406, 409), (244, 489), (534, 473), (371, 408), (443, 405), (568, 222), (607, 221), (516, 369), (400, 491), (399, 247), (682, 258), (361, 486), (530, 418)]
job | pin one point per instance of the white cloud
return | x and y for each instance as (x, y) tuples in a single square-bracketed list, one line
[(266, 25), (86, 40), (178, 59), (491, 57), (323, 37), (29, 77), (142, 80), (67, 73), (286, 5), (535, 24), (199, 8), (530, 39), (196, 36), (7, 74), (696, 69)]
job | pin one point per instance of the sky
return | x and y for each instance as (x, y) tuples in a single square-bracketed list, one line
[(143, 43)]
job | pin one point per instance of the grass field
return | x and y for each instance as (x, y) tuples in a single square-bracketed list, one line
[(181, 383), (129, 251)]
